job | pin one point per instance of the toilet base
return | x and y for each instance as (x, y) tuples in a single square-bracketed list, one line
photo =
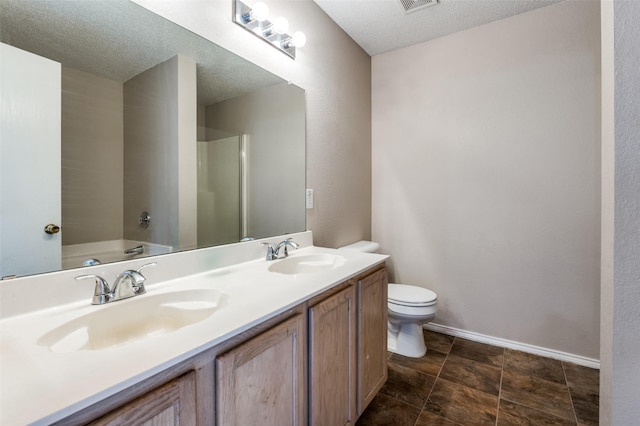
[(406, 338)]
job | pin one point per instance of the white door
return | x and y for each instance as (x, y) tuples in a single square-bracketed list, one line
[(30, 134)]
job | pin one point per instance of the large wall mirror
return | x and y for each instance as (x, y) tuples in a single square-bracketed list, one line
[(125, 135)]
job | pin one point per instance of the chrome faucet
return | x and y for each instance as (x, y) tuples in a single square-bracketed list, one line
[(273, 253), (128, 283)]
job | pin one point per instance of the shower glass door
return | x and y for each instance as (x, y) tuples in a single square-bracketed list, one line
[(221, 205)]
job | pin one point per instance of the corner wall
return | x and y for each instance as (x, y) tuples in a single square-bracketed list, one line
[(160, 147), (486, 180), (619, 370)]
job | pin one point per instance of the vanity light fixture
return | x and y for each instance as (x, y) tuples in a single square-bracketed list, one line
[(281, 25), (255, 19), (259, 12)]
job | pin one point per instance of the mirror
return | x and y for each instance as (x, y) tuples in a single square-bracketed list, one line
[(133, 136)]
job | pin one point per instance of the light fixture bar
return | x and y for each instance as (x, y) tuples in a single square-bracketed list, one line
[(262, 29)]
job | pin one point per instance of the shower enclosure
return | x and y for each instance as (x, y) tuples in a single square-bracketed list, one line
[(222, 206)]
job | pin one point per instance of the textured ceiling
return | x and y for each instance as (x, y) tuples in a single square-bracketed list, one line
[(118, 39), (382, 25)]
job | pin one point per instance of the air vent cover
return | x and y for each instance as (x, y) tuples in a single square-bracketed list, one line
[(413, 5)]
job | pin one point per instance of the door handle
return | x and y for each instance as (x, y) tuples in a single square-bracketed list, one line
[(51, 229)]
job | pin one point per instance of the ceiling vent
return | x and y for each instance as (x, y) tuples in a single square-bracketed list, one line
[(414, 5)]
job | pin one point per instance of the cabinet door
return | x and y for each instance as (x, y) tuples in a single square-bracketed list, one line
[(170, 404), (372, 336), (261, 382), (332, 360)]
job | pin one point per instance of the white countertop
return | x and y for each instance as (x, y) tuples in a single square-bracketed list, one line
[(39, 386)]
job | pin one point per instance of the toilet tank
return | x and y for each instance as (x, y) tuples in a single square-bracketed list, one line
[(363, 247)]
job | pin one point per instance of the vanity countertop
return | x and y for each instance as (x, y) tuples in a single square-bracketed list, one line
[(39, 386)]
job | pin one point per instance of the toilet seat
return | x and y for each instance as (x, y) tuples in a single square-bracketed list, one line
[(414, 311), (410, 295), (419, 304)]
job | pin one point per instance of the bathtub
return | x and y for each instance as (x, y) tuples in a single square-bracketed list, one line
[(73, 256)]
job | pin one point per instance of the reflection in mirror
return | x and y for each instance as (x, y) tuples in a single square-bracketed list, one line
[(136, 137)]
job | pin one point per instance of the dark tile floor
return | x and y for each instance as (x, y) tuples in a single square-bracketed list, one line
[(468, 383)]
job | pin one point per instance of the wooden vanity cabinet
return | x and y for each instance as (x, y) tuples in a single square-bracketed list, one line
[(211, 390), (262, 381), (332, 360), (347, 349), (172, 404), (371, 336)]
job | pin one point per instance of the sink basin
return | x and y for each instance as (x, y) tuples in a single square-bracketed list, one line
[(307, 264), (134, 319)]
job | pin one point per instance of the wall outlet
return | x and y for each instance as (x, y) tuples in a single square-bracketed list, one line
[(309, 198)]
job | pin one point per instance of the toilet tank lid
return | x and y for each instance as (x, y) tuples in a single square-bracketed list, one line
[(362, 246)]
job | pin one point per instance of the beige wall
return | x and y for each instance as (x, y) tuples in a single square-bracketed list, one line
[(160, 153), (274, 124), (335, 73), (92, 166), (486, 175), (620, 340)]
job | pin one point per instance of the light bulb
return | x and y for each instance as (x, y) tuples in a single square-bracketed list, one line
[(280, 25), (260, 11), (298, 39)]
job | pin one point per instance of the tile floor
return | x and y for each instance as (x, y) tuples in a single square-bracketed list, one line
[(463, 382)]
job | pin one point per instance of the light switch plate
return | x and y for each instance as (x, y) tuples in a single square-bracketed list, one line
[(309, 198)]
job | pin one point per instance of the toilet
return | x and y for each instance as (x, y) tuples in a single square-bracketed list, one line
[(409, 308)]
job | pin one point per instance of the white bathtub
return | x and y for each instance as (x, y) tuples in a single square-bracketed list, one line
[(73, 256)]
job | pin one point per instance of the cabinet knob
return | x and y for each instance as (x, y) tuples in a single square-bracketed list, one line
[(51, 229)]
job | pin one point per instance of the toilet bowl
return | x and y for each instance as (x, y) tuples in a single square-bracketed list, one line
[(409, 308)]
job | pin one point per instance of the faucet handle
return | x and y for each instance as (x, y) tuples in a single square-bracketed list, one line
[(289, 242), (146, 266), (283, 244), (136, 279), (102, 293)]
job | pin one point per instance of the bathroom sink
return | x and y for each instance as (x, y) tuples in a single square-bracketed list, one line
[(134, 319), (307, 264)]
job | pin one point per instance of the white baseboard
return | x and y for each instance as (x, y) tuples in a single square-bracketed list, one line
[(524, 347)]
